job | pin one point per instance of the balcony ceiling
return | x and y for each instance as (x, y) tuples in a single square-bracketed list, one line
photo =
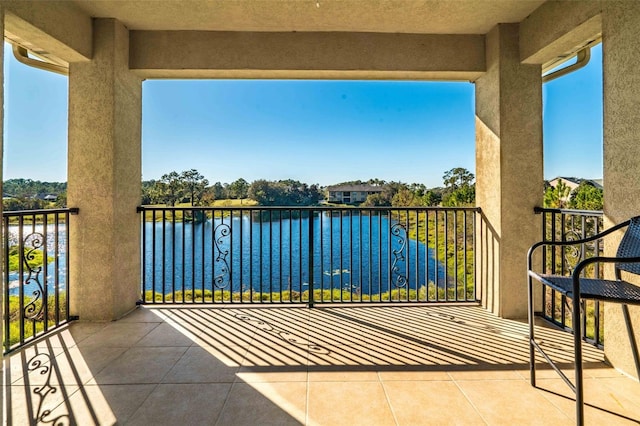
[(385, 16)]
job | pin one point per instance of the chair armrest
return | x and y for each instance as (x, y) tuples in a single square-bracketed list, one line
[(573, 242), (602, 259)]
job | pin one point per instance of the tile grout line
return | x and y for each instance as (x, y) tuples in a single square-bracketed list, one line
[(226, 400), (543, 394), (386, 395), (455, 382), (133, 414), (155, 385)]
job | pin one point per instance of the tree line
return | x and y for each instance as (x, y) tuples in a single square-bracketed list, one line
[(28, 194), (191, 187)]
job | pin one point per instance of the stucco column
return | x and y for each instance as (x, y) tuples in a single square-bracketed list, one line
[(621, 84), (509, 171), (104, 176)]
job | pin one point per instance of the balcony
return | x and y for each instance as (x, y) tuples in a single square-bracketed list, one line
[(382, 365), (292, 363), (357, 357)]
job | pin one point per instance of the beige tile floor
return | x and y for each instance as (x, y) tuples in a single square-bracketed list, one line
[(368, 365)]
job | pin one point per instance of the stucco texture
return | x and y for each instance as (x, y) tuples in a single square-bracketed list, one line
[(621, 82)]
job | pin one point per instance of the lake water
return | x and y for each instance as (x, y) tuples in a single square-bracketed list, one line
[(361, 253)]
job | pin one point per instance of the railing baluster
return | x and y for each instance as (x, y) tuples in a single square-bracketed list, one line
[(426, 255), (280, 253), (21, 275), (45, 274), (310, 254), (290, 280), (417, 261), (464, 251), (7, 329), (251, 256), (341, 256), (331, 212), (241, 250), (360, 243), (270, 256), (164, 251), (56, 276), (389, 250), (370, 253), (351, 269), (260, 246), (299, 212), (198, 218), (407, 286), (321, 222)]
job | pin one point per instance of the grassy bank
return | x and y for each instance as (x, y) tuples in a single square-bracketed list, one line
[(187, 215), (329, 295), (447, 238), (36, 326)]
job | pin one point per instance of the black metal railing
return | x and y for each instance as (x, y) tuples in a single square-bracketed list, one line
[(307, 255), (567, 225), (36, 264)]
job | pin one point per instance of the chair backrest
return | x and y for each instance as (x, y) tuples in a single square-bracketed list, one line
[(630, 246)]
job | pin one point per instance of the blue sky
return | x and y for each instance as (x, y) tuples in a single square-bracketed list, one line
[(313, 131)]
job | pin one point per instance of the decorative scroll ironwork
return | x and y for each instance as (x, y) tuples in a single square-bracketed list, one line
[(574, 231), (41, 364), (283, 334), (572, 254), (222, 234), (33, 309), (399, 279)]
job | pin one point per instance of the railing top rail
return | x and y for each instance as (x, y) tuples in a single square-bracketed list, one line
[(16, 213), (314, 208), (539, 210)]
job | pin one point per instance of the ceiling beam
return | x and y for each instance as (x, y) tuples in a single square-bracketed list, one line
[(49, 28), (322, 55), (559, 28)]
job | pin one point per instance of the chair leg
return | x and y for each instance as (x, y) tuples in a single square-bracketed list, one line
[(532, 353), (577, 341)]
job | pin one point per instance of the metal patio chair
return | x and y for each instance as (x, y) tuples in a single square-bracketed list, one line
[(579, 288)]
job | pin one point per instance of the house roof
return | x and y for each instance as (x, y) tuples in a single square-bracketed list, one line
[(576, 181), (354, 188)]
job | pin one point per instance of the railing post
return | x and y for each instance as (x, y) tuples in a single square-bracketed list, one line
[(311, 291)]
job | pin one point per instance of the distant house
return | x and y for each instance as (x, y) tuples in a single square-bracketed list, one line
[(46, 197), (572, 182), (351, 194)]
